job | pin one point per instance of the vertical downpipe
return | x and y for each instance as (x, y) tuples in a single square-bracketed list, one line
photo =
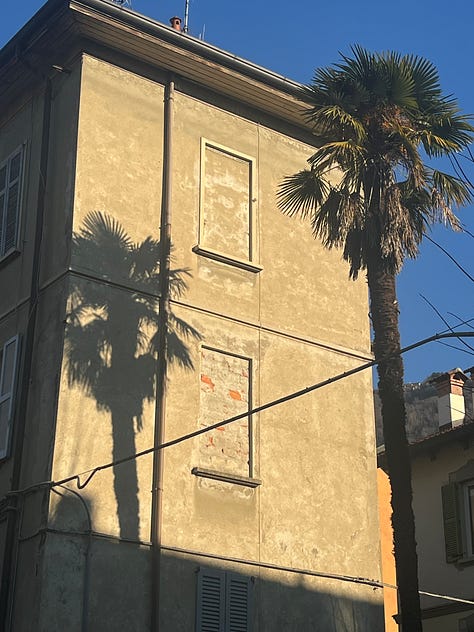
[(161, 369)]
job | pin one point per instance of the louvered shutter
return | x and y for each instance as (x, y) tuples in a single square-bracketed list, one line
[(3, 194), (210, 604), (452, 522), (8, 372), (10, 184), (237, 603)]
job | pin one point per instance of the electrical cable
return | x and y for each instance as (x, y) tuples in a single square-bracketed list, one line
[(461, 321), (374, 583), (439, 596), (464, 176), (286, 398), (446, 322), (446, 344), (470, 277), (465, 230)]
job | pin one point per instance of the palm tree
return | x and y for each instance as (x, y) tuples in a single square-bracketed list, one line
[(112, 336), (368, 191)]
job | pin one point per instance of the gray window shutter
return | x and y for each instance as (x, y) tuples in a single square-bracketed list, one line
[(452, 522), (10, 185), (8, 371), (210, 603), (237, 603), (3, 195)]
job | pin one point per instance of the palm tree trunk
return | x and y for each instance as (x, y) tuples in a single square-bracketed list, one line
[(384, 312)]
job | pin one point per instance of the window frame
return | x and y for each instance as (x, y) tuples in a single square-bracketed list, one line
[(201, 248), (456, 512), (10, 395), (20, 150), (468, 519), (227, 476)]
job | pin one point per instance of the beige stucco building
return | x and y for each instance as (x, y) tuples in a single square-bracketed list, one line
[(117, 134), (443, 504)]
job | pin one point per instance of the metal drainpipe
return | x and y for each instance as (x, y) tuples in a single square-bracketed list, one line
[(161, 372), (6, 598)]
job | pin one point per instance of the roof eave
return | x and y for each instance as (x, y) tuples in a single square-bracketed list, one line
[(433, 443), (139, 37)]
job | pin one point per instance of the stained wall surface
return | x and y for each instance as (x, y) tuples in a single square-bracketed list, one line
[(259, 309), (27, 309)]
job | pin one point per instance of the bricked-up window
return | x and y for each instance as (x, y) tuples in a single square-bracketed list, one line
[(225, 392), (226, 223), (10, 193)]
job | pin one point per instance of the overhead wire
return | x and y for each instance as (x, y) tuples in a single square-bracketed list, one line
[(375, 583), (465, 230), (463, 175), (461, 321), (450, 256), (468, 346), (90, 473), (446, 344)]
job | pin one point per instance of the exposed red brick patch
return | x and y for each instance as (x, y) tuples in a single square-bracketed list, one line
[(235, 395), (207, 380)]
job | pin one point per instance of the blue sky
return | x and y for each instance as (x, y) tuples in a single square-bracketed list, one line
[(295, 38)]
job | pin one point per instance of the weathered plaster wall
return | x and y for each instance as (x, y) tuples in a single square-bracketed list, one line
[(316, 507), (16, 313), (107, 413), (119, 160)]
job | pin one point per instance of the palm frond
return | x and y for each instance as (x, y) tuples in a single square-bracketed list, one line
[(302, 193), (374, 114), (327, 119), (426, 86), (445, 135), (346, 154), (398, 81)]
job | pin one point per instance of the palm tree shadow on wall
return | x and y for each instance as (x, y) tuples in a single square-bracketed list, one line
[(112, 338)]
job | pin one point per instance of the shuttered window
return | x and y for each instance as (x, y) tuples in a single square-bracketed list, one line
[(223, 602), (10, 193), (237, 603), (452, 522), (8, 371), (210, 601)]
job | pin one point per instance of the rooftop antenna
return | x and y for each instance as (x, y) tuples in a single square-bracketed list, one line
[(186, 16), (123, 3)]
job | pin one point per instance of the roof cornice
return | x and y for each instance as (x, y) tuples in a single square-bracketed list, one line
[(62, 26), (433, 443)]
